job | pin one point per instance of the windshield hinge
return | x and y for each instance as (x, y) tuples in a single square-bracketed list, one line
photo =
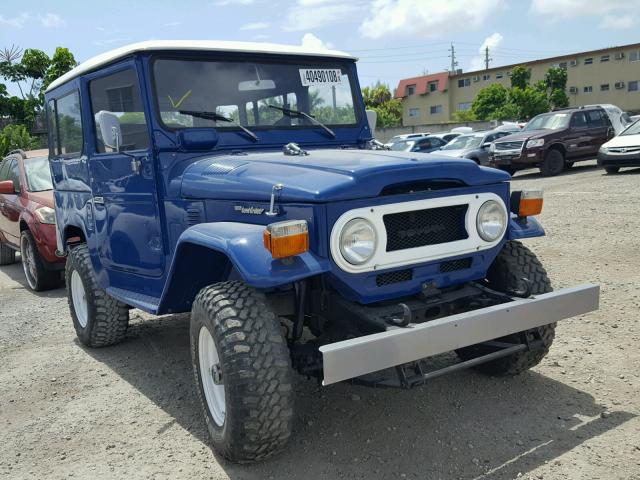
[(294, 149)]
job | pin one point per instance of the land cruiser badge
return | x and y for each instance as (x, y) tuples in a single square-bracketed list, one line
[(249, 210)]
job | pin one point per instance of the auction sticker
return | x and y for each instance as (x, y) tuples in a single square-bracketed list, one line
[(320, 76)]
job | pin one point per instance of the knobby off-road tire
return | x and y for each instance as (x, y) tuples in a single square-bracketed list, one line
[(7, 255), (553, 163), (512, 264), (105, 320), (39, 278), (254, 369)]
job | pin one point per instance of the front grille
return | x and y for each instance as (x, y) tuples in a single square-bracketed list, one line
[(508, 146), (398, 276), (455, 265), (420, 228)]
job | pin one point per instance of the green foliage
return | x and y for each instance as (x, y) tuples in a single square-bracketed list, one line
[(489, 101), (389, 109), (555, 81), (14, 137), (464, 116), (520, 77), (528, 102), (61, 62)]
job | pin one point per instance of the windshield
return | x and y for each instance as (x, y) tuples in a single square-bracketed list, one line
[(247, 92), (464, 142), (633, 129), (38, 174), (403, 146), (548, 121)]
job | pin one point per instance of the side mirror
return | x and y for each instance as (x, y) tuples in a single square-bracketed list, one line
[(372, 119), (610, 133), (486, 145), (110, 130), (7, 187)]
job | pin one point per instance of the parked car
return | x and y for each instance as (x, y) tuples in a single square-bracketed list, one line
[(554, 141), (475, 146), (421, 144), (446, 136), (621, 151), (293, 242), (406, 136), (27, 219), (619, 118)]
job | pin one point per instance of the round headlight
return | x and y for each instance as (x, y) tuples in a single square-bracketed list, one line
[(491, 221), (358, 241)]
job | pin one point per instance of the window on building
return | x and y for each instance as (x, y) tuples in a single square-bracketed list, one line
[(588, 89), (563, 65), (464, 82), (633, 86), (435, 109), (410, 90), (634, 56), (118, 96), (486, 77), (464, 106), (69, 124), (604, 87), (604, 58), (499, 75), (433, 86), (414, 112), (588, 61)]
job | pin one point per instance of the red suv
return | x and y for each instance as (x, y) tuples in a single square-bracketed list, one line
[(27, 219)]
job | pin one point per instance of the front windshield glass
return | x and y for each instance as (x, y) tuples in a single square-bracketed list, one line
[(464, 142), (548, 121), (38, 174), (245, 93), (633, 129), (403, 146)]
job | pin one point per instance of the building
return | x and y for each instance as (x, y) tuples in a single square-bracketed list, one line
[(609, 75)]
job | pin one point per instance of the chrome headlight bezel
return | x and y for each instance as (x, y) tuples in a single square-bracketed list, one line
[(491, 221), (367, 247), (535, 143)]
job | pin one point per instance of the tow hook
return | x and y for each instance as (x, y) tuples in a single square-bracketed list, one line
[(405, 321)]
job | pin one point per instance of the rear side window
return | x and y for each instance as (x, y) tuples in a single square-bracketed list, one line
[(597, 119), (69, 125), (116, 99), (579, 120)]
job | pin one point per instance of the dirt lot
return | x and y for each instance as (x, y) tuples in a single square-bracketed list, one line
[(130, 411)]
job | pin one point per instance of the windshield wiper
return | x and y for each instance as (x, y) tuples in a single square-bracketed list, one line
[(217, 117), (297, 113)]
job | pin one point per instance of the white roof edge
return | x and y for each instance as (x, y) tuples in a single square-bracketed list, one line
[(202, 45)]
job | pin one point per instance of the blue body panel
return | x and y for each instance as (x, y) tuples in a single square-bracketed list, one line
[(159, 235)]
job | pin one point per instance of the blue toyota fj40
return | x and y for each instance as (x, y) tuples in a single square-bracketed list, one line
[(241, 182)]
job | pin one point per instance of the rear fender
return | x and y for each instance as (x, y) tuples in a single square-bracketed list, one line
[(214, 252)]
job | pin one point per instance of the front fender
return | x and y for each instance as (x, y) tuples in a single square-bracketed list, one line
[(527, 228), (208, 252)]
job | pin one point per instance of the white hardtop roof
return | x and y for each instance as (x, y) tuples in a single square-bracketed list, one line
[(195, 45)]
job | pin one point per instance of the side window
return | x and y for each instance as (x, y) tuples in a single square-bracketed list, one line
[(4, 170), (69, 124), (579, 120), (596, 119), (489, 138), (53, 130), (116, 98), (13, 173)]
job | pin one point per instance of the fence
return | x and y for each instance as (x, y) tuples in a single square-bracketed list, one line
[(384, 134)]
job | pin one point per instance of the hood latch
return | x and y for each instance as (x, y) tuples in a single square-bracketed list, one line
[(294, 149)]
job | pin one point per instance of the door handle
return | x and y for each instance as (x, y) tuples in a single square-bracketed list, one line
[(136, 164)]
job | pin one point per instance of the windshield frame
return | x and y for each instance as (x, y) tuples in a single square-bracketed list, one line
[(276, 59)]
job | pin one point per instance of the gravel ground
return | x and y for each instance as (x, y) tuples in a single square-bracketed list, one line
[(130, 411)]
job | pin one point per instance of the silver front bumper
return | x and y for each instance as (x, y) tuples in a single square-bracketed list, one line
[(359, 356)]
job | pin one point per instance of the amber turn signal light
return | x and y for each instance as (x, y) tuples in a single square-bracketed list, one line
[(286, 239), (526, 203)]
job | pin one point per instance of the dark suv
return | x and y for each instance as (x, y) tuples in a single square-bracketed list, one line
[(553, 141)]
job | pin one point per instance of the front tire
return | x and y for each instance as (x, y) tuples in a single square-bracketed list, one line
[(611, 170), (513, 264), (99, 319), (37, 275), (7, 255), (242, 372), (553, 163)]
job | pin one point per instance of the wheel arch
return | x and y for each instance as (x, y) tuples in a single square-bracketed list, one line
[(558, 146)]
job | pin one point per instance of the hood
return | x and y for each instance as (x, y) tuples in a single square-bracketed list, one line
[(324, 175), (623, 141), (524, 136), (458, 152), (44, 198)]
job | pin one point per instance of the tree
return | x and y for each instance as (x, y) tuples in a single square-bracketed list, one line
[(61, 62), (389, 109), (463, 116), (555, 81), (520, 77), (489, 101), (528, 102)]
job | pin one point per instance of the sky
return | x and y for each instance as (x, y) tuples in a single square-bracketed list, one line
[(393, 39)]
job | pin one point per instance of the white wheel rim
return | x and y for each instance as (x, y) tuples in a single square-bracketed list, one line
[(211, 376), (28, 262), (79, 298)]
